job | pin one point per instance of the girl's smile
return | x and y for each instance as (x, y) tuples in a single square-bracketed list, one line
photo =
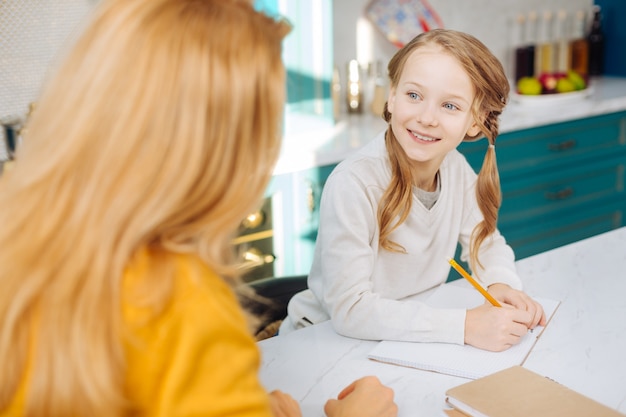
[(424, 138)]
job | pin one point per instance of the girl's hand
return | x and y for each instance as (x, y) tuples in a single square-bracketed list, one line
[(495, 328), (521, 301)]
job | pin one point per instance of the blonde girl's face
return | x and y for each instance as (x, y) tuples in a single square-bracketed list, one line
[(430, 106)]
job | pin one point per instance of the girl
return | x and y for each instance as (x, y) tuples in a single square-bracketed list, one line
[(392, 214), (154, 139)]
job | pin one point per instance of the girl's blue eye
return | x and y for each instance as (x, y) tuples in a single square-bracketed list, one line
[(450, 106), (413, 96)]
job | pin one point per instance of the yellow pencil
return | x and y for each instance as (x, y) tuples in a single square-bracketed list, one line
[(472, 281)]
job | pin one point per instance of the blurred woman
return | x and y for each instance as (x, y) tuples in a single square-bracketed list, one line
[(156, 136)]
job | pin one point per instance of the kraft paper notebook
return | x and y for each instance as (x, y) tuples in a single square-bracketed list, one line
[(459, 360), (519, 392)]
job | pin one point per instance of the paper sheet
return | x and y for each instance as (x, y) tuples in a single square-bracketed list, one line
[(459, 360)]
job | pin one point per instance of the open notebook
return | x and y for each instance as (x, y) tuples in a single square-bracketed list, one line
[(459, 360)]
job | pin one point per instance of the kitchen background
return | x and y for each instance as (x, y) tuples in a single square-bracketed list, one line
[(327, 36)]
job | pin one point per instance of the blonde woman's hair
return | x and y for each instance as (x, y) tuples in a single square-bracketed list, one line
[(159, 130), (491, 89)]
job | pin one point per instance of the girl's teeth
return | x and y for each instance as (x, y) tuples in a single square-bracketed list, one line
[(425, 138)]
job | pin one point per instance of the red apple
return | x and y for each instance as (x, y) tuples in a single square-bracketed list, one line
[(549, 83)]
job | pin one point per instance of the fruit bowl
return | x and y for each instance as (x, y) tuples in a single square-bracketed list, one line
[(555, 98), (551, 88)]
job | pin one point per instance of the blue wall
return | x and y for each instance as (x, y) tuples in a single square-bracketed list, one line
[(614, 23)]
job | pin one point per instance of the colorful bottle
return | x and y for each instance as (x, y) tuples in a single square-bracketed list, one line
[(562, 55), (532, 28), (544, 52), (524, 51), (354, 88), (596, 44), (579, 48)]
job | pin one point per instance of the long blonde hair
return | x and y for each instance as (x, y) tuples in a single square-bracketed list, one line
[(491, 89), (160, 129)]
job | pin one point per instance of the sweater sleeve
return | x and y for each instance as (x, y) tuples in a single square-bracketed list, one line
[(196, 357), (345, 260)]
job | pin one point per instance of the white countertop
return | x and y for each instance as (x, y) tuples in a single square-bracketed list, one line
[(583, 346), (311, 142)]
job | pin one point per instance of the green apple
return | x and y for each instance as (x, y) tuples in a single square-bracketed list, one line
[(530, 86), (577, 80), (565, 85)]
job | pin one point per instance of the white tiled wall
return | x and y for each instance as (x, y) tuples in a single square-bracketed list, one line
[(32, 32)]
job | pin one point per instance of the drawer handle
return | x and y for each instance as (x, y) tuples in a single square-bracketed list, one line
[(562, 146), (254, 220), (560, 195), (253, 258)]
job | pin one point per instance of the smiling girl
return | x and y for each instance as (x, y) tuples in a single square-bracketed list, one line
[(393, 213)]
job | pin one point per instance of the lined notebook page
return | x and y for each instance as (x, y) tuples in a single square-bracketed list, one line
[(465, 361)]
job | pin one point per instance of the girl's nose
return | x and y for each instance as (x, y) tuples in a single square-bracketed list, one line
[(427, 115)]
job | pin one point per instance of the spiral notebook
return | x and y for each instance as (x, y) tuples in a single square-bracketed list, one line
[(459, 360)]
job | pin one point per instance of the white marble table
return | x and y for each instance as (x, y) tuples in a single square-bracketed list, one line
[(584, 346)]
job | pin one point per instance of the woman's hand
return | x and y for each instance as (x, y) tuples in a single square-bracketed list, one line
[(521, 301), (365, 397), (283, 405)]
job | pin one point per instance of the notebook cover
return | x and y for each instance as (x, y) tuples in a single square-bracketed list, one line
[(519, 392)]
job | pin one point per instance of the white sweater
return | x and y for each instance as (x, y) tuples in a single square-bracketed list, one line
[(362, 287)]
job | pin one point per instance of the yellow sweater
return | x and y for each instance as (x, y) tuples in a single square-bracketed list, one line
[(195, 358)]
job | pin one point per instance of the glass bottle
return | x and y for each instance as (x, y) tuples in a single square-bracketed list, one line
[(544, 50), (531, 39), (524, 51), (354, 88), (562, 58), (579, 48), (596, 44)]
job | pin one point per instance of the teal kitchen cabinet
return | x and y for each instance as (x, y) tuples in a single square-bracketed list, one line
[(561, 182), (294, 199), (307, 191)]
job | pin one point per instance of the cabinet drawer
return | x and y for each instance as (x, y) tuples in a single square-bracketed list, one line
[(552, 146), (538, 234), (533, 196)]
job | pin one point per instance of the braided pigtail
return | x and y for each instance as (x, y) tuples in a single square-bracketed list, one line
[(395, 204), (488, 193)]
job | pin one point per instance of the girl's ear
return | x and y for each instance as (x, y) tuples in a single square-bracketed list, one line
[(473, 130)]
